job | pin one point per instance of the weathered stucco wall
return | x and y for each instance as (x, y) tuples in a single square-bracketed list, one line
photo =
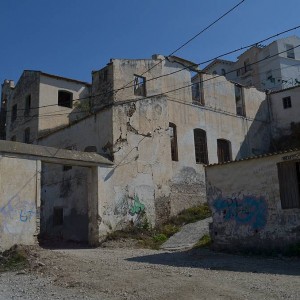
[(28, 84), (19, 186), (245, 200), (283, 117), (51, 114)]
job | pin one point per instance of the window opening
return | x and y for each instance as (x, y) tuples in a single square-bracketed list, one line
[(200, 144), (27, 135), (65, 99), (197, 89), (27, 105), (173, 139), (290, 53), (224, 150), (239, 101), (289, 184), (139, 85), (287, 103), (14, 113)]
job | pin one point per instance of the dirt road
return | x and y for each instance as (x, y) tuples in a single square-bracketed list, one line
[(147, 274)]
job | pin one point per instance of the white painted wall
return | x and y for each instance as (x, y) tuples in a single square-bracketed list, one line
[(19, 186)]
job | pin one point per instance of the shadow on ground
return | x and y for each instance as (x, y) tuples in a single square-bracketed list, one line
[(207, 259)]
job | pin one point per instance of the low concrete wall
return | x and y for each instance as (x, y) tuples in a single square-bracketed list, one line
[(245, 200), (19, 186)]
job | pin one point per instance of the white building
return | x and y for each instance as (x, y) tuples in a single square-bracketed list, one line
[(272, 67)]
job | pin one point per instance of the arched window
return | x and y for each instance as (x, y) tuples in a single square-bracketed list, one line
[(65, 99), (224, 150), (223, 72), (200, 146), (173, 139)]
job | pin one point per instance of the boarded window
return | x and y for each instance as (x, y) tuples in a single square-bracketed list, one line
[(65, 99), (173, 139), (27, 105), (239, 101), (289, 183), (224, 150), (27, 135), (139, 85), (287, 103), (58, 216), (14, 113), (200, 146)]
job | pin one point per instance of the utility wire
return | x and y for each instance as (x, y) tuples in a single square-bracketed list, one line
[(180, 88), (174, 72), (190, 40)]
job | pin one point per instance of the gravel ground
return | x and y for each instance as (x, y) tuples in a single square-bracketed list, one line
[(104, 273)]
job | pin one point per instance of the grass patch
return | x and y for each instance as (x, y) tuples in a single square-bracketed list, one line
[(191, 215), (153, 238), (205, 241), (13, 259)]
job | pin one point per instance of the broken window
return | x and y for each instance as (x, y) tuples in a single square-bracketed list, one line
[(287, 103), (289, 184), (247, 66), (173, 139), (27, 135), (27, 105), (224, 150), (14, 113), (58, 216), (65, 99), (239, 101), (290, 53), (139, 85), (200, 146), (197, 90)]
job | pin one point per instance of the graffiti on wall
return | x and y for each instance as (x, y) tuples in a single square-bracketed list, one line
[(136, 207), (244, 210), (15, 213)]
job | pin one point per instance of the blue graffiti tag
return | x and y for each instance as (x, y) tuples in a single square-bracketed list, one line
[(250, 210), (25, 215)]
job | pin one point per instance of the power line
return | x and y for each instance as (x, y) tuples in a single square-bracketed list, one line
[(170, 91), (190, 40), (171, 73)]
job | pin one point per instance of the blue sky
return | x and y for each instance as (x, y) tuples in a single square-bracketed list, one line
[(73, 37)]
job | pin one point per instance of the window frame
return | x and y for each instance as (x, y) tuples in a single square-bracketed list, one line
[(139, 88), (200, 146), (14, 113), (173, 141), (224, 156)]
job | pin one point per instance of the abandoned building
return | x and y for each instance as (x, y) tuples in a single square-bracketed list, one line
[(158, 129), (271, 67), (24, 214), (38, 103), (261, 213)]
